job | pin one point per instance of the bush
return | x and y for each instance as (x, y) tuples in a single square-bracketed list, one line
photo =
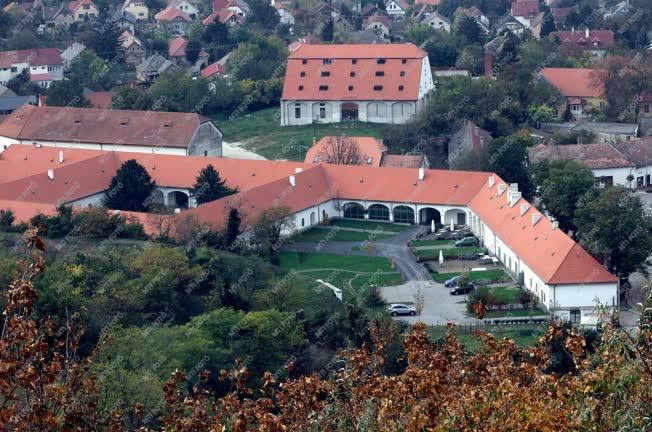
[(373, 298), (526, 298), (6, 219), (94, 222)]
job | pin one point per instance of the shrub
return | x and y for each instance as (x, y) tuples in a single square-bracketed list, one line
[(373, 298), (94, 222), (526, 298), (6, 219)]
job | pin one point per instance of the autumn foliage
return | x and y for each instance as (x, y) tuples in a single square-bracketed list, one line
[(501, 387)]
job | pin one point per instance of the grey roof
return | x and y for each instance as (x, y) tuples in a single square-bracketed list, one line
[(12, 103), (6, 92), (50, 12), (364, 37), (123, 15), (70, 53), (645, 126), (155, 64), (597, 127)]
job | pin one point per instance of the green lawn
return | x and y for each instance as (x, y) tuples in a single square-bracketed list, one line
[(319, 234), (516, 313), (368, 225), (508, 293), (263, 133), (304, 261), (493, 275), (448, 253), (417, 243), (523, 335)]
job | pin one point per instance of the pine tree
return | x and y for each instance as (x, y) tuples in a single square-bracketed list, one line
[(548, 25), (232, 226), (131, 188), (209, 186)]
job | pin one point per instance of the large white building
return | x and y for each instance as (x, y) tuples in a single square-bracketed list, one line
[(44, 65), (563, 276), (377, 83)]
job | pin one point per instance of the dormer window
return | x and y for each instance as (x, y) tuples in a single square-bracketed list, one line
[(325, 74), (380, 61), (316, 159), (370, 160), (326, 61)]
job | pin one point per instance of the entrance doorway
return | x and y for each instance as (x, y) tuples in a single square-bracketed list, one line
[(349, 111)]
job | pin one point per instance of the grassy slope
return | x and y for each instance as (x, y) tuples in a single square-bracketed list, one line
[(368, 225), (264, 134), (417, 243), (449, 253), (523, 335), (317, 234), (303, 261)]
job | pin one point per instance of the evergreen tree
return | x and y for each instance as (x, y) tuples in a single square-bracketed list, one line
[(192, 51), (232, 226), (67, 92), (209, 186), (130, 189), (105, 41), (548, 25), (327, 31)]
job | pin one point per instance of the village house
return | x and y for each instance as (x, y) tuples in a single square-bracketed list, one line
[(380, 24), (525, 11), (604, 132), (83, 10), (137, 8), (71, 53), (438, 22), (283, 8), (115, 130), (186, 7), (57, 17), (123, 20), (44, 65), (213, 70), (508, 23), (477, 15), (360, 150), (134, 51), (229, 12), (377, 83), (645, 105), (594, 42), (581, 90), (173, 21), (152, 67), (564, 278), (396, 9), (467, 148), (177, 54)]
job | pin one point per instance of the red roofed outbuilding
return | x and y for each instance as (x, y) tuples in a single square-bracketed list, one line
[(582, 90)]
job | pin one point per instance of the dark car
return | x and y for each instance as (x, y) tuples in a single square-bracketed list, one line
[(467, 241), (458, 290), (401, 309), (452, 281)]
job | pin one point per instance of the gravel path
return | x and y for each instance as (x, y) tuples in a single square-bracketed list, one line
[(234, 150)]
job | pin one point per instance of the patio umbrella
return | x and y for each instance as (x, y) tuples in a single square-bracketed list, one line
[(441, 257), (432, 226), (452, 225)]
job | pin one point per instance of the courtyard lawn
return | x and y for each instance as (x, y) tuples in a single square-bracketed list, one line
[(516, 313), (418, 243), (524, 335), (299, 261), (368, 225), (507, 293), (261, 132), (493, 275), (319, 234), (450, 253)]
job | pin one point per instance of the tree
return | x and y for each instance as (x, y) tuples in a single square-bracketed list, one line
[(209, 186), (178, 92), (624, 79), (128, 98), (264, 14), (508, 159), (342, 151), (418, 33), (540, 113), (468, 29), (611, 224), (548, 26), (442, 52), (563, 184), (327, 30), (66, 92), (259, 58), (92, 71), (22, 85), (192, 51), (105, 41), (131, 188), (268, 227), (232, 227)]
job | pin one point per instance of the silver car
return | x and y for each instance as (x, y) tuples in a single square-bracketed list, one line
[(400, 309)]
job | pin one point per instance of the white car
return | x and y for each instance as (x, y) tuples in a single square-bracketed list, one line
[(400, 309)]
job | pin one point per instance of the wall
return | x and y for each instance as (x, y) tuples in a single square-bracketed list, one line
[(393, 112), (92, 146), (619, 175), (207, 141)]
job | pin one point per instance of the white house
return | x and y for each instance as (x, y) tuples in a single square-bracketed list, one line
[(438, 22), (186, 7), (397, 9), (377, 83), (44, 64)]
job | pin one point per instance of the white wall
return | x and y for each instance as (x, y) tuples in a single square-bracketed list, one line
[(108, 147), (619, 174)]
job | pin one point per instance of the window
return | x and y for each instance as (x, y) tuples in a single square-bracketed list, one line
[(350, 88), (326, 61), (602, 104), (380, 73), (646, 108), (302, 74), (297, 111), (322, 110), (352, 74), (304, 61), (380, 61), (14, 69), (300, 88), (404, 61), (316, 159), (303, 222), (378, 88), (575, 316), (370, 160), (323, 88), (402, 73), (400, 88), (354, 61)]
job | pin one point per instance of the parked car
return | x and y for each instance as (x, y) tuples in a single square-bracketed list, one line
[(461, 289), (452, 282), (401, 309), (467, 241)]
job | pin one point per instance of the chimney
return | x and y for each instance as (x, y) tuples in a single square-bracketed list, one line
[(422, 173), (586, 33), (513, 198), (177, 210), (536, 217), (293, 181), (60, 156), (524, 208), (513, 187), (51, 174), (488, 64), (492, 180), (314, 140), (501, 188), (298, 170), (555, 225)]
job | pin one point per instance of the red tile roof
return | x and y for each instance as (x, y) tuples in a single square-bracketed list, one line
[(213, 69), (402, 161), (575, 82), (177, 47), (367, 146), (172, 14), (24, 211), (525, 8), (73, 5), (585, 40), (400, 80), (101, 126), (428, 2), (594, 156), (35, 57), (100, 99), (40, 77)]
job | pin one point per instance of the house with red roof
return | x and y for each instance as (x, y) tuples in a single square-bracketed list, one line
[(595, 42), (133, 49), (173, 21), (581, 89), (377, 83), (559, 272), (525, 11), (44, 65), (396, 9), (229, 12), (380, 24), (213, 70), (108, 129), (83, 10)]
